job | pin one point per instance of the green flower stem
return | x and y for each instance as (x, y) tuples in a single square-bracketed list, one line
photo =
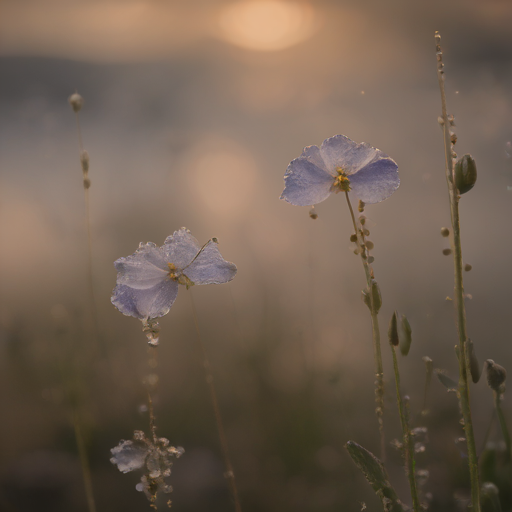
[(503, 425), (463, 390), (379, 372), (410, 462)]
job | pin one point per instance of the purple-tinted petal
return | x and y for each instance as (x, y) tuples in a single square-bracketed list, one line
[(340, 151), (314, 155), (210, 267), (305, 183), (129, 455), (144, 269), (376, 181), (145, 303), (180, 248)]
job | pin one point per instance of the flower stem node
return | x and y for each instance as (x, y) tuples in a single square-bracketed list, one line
[(465, 173), (496, 375), (76, 101)]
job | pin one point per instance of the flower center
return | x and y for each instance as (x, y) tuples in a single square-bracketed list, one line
[(341, 181), (178, 275)]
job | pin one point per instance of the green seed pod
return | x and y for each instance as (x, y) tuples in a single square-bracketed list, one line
[(393, 331), (406, 339), (474, 365), (465, 173), (496, 375)]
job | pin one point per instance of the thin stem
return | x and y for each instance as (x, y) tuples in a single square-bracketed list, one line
[(503, 425), (86, 470), (410, 462), (379, 372), (90, 285), (463, 391), (229, 473), (151, 388)]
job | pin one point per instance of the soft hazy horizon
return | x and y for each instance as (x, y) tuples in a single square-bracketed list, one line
[(192, 112)]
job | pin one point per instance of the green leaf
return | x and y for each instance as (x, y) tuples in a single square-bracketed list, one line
[(446, 381), (374, 472)]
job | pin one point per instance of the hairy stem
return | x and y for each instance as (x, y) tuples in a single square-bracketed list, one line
[(379, 372), (410, 463), (463, 390)]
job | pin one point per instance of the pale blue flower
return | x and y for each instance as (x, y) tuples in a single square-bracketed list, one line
[(148, 280), (340, 164)]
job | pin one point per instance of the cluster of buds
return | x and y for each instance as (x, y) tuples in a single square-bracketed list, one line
[(154, 455)]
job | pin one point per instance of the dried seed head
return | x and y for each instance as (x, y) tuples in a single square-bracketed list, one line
[(76, 101), (445, 232), (447, 252), (496, 375)]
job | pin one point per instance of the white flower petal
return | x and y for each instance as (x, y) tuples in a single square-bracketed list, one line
[(306, 183), (210, 267), (145, 303)]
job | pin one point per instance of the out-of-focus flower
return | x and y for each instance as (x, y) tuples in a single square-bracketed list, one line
[(148, 280), (154, 455), (340, 165)]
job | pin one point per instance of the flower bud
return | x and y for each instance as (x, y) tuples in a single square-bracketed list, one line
[(84, 160), (465, 173), (312, 213), (445, 232), (393, 331), (353, 238), (474, 365), (361, 206), (406, 340), (376, 296), (467, 267), (447, 252), (87, 183), (76, 101), (496, 375), (369, 245)]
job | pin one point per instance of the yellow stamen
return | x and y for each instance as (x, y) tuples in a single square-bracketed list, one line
[(341, 182)]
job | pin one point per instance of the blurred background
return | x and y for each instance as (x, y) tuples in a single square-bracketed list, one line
[(192, 112)]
